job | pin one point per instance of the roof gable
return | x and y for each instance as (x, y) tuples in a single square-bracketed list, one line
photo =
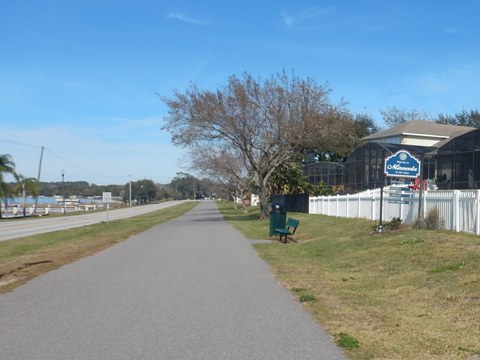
[(421, 128)]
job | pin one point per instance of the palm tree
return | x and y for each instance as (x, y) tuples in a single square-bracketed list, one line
[(7, 166), (27, 186)]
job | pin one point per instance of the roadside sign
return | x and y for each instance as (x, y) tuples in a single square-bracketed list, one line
[(107, 197), (394, 190), (402, 164), (401, 195), (405, 202), (399, 183)]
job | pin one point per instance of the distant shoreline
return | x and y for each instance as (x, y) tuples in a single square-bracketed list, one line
[(51, 200)]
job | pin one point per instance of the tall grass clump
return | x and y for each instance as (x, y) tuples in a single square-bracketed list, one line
[(432, 221)]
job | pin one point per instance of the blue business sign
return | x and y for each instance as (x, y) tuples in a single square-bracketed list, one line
[(402, 164)]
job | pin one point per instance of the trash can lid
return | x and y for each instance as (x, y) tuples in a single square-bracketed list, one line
[(277, 207)]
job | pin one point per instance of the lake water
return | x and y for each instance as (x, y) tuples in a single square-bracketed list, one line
[(48, 200)]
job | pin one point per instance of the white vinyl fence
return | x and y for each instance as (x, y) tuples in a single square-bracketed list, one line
[(459, 209)]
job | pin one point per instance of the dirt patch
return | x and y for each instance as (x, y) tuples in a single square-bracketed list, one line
[(20, 274)]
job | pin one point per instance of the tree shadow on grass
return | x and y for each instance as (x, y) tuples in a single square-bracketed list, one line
[(242, 217)]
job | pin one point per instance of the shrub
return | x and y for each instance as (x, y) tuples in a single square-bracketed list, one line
[(347, 341), (307, 298), (432, 221), (391, 225), (394, 224)]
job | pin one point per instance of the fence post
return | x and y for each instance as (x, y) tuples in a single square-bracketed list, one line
[(477, 213), (456, 210), (359, 210), (424, 205), (401, 213), (372, 216), (347, 205), (337, 205)]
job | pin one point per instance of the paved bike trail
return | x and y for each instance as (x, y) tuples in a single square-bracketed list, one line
[(190, 288)]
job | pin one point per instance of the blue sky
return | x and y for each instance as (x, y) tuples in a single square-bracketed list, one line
[(81, 78)]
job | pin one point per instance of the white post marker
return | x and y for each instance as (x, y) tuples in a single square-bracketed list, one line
[(107, 199)]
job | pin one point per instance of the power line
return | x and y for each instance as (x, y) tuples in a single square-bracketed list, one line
[(65, 160), (17, 143), (84, 169)]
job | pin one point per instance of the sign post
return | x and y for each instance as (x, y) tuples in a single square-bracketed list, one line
[(107, 199), (400, 165)]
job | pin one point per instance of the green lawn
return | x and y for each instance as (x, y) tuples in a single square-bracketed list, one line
[(403, 294)]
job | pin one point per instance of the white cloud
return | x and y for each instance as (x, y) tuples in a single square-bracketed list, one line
[(104, 155), (452, 31), (288, 19), (140, 122), (188, 19), (441, 90), (460, 79), (305, 15)]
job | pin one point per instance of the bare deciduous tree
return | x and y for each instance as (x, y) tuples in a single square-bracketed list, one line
[(464, 118), (268, 121), (226, 166), (394, 116)]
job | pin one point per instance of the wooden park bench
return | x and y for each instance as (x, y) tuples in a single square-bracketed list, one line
[(289, 229)]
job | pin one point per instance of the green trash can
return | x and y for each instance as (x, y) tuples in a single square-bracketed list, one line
[(278, 219)]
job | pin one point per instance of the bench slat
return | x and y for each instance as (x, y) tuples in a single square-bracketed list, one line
[(290, 228)]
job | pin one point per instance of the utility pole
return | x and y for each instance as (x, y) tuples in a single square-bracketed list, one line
[(24, 194), (63, 185), (38, 179), (130, 191)]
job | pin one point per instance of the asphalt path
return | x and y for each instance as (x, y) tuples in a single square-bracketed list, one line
[(15, 228), (191, 288)]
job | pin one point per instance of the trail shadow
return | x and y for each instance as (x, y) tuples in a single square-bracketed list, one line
[(245, 217), (206, 219)]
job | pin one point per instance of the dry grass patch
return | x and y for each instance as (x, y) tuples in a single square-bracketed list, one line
[(403, 294), (23, 259)]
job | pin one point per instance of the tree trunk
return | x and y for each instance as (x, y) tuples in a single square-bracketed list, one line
[(262, 198), (244, 204), (234, 198)]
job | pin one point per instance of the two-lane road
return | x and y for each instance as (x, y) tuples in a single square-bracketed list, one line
[(11, 229)]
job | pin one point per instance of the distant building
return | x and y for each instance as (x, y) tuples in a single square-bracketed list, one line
[(450, 157), (418, 133)]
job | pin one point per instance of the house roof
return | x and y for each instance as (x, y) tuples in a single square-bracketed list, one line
[(415, 150), (422, 128)]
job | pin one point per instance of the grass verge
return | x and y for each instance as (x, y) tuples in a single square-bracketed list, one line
[(403, 294), (23, 259)]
